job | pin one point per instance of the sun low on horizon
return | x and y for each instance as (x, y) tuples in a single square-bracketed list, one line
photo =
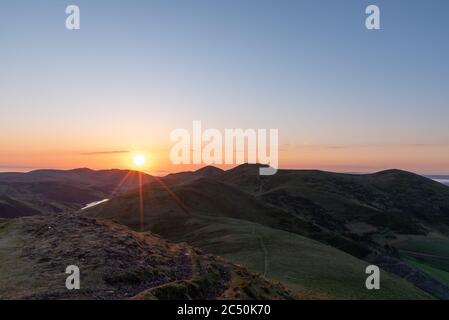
[(139, 161)]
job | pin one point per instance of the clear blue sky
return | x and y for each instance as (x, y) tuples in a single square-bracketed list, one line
[(309, 68)]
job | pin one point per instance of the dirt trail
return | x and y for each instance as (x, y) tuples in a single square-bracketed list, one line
[(184, 265), (264, 250), (420, 254), (115, 263)]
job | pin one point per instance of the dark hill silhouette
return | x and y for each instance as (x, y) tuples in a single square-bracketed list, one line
[(186, 176), (55, 191)]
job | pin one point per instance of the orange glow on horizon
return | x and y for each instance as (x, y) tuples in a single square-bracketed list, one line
[(154, 159)]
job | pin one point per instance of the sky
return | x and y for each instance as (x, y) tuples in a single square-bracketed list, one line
[(343, 98)]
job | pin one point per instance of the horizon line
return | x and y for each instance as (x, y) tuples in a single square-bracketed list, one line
[(167, 172)]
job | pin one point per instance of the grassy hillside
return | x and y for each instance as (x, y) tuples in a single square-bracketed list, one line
[(168, 207), (309, 268), (428, 253), (115, 263), (395, 199), (361, 215), (311, 230)]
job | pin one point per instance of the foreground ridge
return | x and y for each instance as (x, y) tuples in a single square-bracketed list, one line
[(115, 263)]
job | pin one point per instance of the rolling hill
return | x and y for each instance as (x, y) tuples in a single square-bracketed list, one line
[(313, 231), (187, 176), (359, 216), (55, 191), (309, 268), (114, 263)]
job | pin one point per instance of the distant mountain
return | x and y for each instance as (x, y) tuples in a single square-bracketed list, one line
[(115, 263), (56, 191), (441, 176), (398, 200), (444, 179), (182, 177), (53, 191), (365, 216)]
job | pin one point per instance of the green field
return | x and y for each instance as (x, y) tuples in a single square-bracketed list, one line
[(430, 254), (311, 269)]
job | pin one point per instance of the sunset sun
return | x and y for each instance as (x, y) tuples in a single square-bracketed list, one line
[(139, 160)]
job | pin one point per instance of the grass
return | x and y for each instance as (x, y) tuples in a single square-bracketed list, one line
[(243, 223), (14, 268), (431, 245), (309, 268), (115, 263), (429, 254), (438, 274)]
